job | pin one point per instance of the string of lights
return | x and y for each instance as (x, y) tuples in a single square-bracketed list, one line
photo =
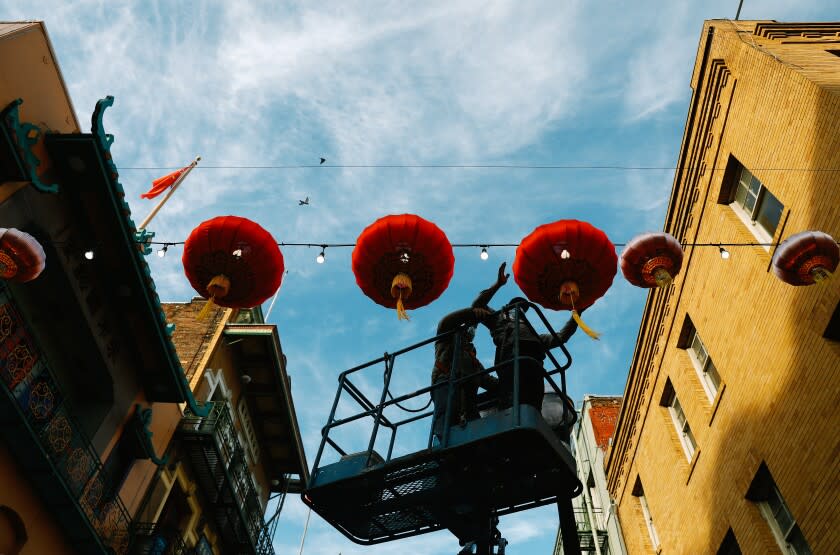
[(483, 253)]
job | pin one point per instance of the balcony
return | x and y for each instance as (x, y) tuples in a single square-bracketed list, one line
[(153, 539), (587, 533), (218, 460), (40, 430)]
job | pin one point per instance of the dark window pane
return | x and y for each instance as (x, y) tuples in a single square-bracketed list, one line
[(797, 542), (769, 213), (740, 194), (755, 185), (713, 376), (745, 177), (749, 203)]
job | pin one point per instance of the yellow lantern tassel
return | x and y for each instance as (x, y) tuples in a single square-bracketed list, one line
[(401, 286), (662, 277), (820, 274), (582, 325), (219, 286)]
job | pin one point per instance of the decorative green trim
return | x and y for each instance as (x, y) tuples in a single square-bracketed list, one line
[(144, 240), (141, 420), (24, 136)]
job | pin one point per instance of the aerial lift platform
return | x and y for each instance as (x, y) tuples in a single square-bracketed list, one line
[(507, 461)]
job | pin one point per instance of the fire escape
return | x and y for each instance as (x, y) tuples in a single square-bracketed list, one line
[(218, 460)]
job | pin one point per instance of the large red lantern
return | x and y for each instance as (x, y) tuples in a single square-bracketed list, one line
[(22, 257), (403, 262), (651, 260), (566, 265), (233, 262), (806, 257)]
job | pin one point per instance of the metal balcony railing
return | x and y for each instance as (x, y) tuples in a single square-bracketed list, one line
[(154, 539), (41, 430), (223, 475), (589, 530)]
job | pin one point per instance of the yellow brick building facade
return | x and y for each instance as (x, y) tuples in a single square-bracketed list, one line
[(727, 441)]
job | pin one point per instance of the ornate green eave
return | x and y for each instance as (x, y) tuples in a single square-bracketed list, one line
[(18, 139), (86, 161), (142, 436)]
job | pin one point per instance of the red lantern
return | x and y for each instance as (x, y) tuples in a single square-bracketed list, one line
[(403, 262), (565, 265), (806, 257), (651, 260), (233, 262), (22, 258)]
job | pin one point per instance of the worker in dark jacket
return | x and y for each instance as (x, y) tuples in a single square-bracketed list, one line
[(502, 326), (464, 402)]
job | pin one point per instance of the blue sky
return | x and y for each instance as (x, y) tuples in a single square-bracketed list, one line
[(250, 83)]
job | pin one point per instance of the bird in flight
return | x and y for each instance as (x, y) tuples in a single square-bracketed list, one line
[(323, 160), (304, 202)]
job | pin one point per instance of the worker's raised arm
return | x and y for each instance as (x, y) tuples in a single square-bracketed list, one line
[(485, 296), (470, 316)]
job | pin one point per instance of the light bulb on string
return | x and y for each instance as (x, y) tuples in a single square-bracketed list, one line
[(89, 254), (723, 252), (162, 252), (484, 255), (321, 256)]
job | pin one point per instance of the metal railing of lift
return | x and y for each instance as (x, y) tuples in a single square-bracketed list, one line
[(375, 410)]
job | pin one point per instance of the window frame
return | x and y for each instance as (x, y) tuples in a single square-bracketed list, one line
[(783, 536), (248, 430), (706, 369), (762, 491), (639, 492), (680, 421), (751, 216)]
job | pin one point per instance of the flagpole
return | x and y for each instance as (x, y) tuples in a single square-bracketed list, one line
[(169, 193)]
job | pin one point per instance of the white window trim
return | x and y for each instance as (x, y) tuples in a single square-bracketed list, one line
[(760, 233), (689, 446), (700, 368), (247, 425), (778, 533), (654, 537)]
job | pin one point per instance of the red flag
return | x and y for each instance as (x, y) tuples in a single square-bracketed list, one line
[(161, 184)]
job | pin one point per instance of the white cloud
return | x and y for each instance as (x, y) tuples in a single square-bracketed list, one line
[(257, 83)]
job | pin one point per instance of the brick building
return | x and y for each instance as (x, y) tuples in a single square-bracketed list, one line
[(599, 531), (228, 468), (727, 439)]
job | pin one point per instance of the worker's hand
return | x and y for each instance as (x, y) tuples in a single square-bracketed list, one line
[(503, 277), (481, 313)]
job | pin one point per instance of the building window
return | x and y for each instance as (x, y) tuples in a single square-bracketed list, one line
[(706, 370), (248, 429), (755, 204), (729, 545), (764, 492), (670, 400), (639, 492), (832, 330), (203, 546)]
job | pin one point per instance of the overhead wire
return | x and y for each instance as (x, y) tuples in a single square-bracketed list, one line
[(614, 167)]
